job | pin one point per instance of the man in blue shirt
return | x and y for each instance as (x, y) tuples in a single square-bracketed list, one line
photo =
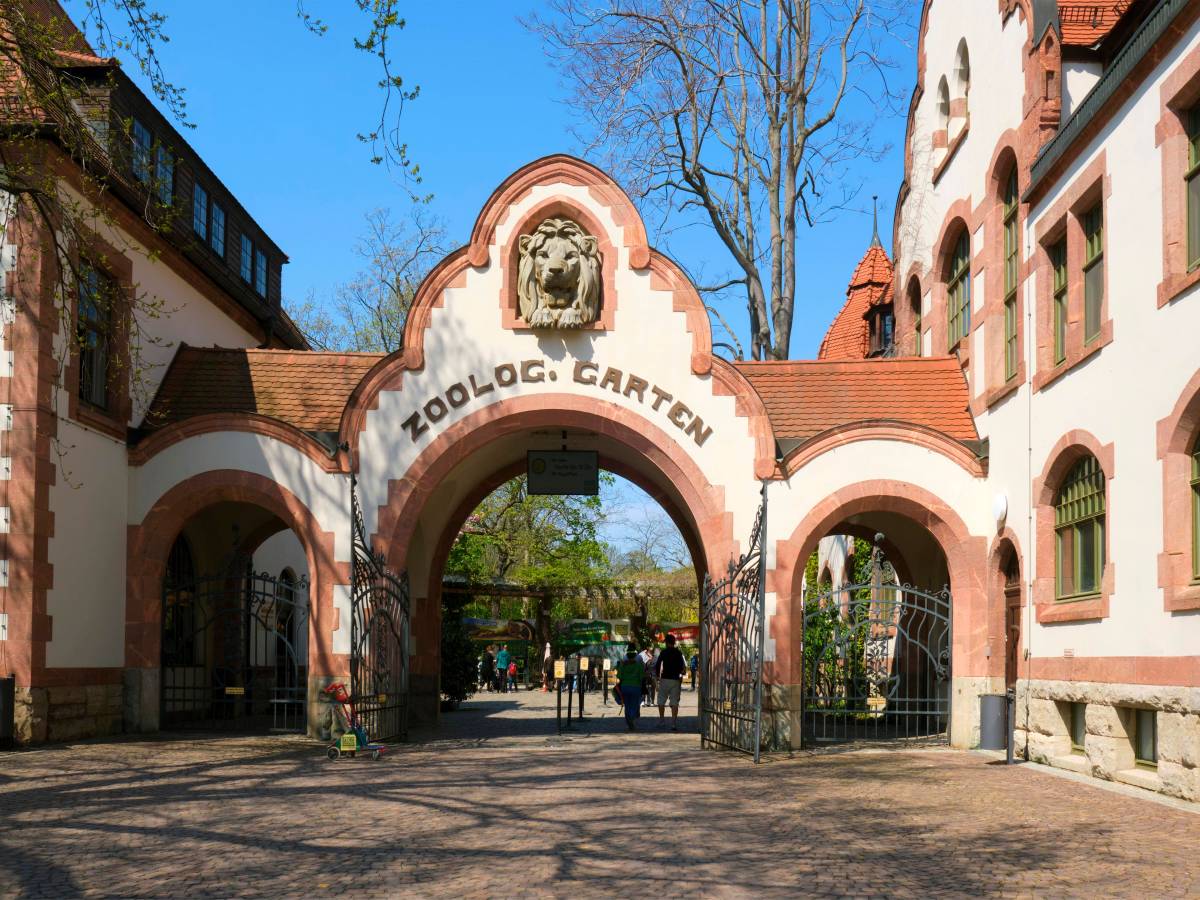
[(502, 668)]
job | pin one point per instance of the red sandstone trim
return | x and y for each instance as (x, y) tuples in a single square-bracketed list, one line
[(1177, 435), (951, 150), (1167, 671), (1178, 93), (728, 381), (250, 423), (666, 276), (883, 430), (997, 635), (960, 214), (966, 557), (149, 545), (1071, 447), (556, 169)]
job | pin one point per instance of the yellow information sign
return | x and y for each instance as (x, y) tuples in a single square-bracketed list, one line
[(584, 663), (348, 742), (381, 699), (235, 691), (560, 669)]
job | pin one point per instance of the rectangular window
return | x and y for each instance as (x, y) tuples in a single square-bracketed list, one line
[(247, 260), (164, 175), (1145, 737), (142, 141), (1079, 518), (217, 237), (1093, 272), (95, 300), (1192, 180), (1058, 259), (958, 292), (1078, 723), (260, 273), (1012, 259), (200, 211)]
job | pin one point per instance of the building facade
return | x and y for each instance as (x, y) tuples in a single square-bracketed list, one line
[(1034, 325)]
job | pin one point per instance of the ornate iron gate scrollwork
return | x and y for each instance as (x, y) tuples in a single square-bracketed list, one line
[(379, 637), (876, 660), (732, 635), (234, 650)]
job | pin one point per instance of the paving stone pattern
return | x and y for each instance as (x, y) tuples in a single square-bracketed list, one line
[(493, 804)]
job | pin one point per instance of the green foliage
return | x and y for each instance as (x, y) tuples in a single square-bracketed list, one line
[(458, 654), (834, 648)]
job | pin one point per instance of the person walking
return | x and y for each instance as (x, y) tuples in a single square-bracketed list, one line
[(487, 665), (630, 673), (693, 664), (647, 659), (548, 670), (668, 669), (502, 668), (512, 675)]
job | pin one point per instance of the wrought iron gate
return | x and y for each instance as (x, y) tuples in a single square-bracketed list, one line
[(876, 660), (379, 638), (731, 648), (235, 650)]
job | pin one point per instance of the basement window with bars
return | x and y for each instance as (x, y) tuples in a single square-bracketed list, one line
[(1093, 272), (1079, 521), (92, 323), (1012, 254), (1145, 737), (1078, 725), (958, 291)]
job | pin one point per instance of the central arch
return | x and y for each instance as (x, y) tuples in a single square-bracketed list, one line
[(425, 510)]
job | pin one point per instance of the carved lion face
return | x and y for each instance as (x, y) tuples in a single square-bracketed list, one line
[(556, 266)]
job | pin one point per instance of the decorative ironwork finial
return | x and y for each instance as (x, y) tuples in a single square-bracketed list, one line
[(875, 242)]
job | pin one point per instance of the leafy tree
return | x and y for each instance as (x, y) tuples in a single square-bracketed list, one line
[(459, 658)]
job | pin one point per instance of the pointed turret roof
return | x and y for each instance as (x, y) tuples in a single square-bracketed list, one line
[(871, 285)]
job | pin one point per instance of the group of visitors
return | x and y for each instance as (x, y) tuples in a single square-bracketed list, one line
[(639, 673), (498, 670)]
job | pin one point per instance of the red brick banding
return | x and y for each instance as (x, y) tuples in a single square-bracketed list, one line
[(1177, 95)]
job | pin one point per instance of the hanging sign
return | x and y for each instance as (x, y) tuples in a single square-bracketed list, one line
[(573, 666), (563, 472), (235, 691), (607, 664), (584, 663), (560, 669)]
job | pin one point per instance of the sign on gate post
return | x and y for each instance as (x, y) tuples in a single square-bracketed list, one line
[(563, 472)]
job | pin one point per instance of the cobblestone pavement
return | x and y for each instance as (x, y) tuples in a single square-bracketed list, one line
[(494, 804)]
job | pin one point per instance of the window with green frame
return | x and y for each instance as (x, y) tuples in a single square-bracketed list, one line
[(958, 291), (1192, 180), (1079, 531), (1058, 260), (1012, 254), (1196, 512), (1093, 271)]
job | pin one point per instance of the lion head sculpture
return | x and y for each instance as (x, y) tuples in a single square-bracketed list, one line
[(558, 278)]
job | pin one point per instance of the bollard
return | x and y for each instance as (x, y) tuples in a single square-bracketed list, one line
[(582, 691), (1010, 701)]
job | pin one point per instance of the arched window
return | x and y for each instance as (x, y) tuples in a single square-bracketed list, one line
[(181, 623), (181, 568), (943, 105), (914, 309), (1079, 531), (958, 291), (1012, 260), (1196, 511), (962, 70)]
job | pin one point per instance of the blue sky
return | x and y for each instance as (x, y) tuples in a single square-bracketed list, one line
[(277, 110)]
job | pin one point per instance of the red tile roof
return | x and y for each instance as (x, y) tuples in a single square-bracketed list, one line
[(306, 389), (805, 398), (871, 285), (1086, 23)]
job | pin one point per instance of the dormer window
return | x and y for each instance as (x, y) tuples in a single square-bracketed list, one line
[(260, 273), (142, 143), (164, 175)]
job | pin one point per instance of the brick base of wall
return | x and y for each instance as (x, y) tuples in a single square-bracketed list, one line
[(1043, 731), (67, 713)]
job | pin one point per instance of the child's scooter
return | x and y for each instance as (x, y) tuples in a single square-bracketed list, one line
[(354, 739)]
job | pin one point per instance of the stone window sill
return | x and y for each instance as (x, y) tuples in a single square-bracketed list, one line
[(1175, 284), (1185, 599), (98, 419), (1006, 390), (1142, 776), (1073, 762), (1083, 609), (1047, 377), (955, 143)]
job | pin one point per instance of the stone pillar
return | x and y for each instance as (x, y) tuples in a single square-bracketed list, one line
[(142, 700)]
